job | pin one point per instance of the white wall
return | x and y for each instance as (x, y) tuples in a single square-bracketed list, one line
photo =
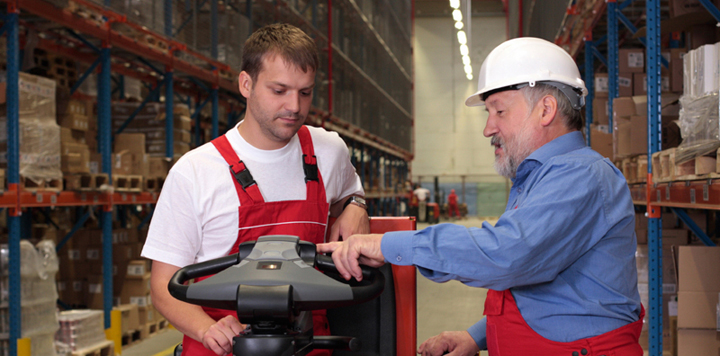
[(448, 135)]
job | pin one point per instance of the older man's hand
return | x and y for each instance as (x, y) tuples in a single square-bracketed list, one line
[(357, 249), (455, 343)]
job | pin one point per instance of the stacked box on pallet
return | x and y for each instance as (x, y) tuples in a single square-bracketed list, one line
[(38, 266), (39, 134), (698, 293), (699, 114), (151, 122), (80, 329), (81, 275), (672, 237)]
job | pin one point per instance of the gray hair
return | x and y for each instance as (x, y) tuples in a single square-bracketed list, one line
[(573, 119)]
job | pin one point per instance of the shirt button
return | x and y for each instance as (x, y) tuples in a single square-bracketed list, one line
[(583, 351), (398, 258), (575, 353)]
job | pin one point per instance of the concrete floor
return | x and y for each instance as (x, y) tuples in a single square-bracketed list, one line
[(440, 307)]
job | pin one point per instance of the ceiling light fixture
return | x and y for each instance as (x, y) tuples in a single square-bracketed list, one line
[(462, 36)]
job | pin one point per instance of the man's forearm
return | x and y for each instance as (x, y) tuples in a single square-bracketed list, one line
[(189, 319)]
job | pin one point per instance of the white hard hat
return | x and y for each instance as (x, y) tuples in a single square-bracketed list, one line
[(526, 61)]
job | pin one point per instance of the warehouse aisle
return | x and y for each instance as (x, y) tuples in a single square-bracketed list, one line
[(448, 306), (440, 307)]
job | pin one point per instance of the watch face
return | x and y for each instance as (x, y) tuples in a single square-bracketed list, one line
[(359, 200)]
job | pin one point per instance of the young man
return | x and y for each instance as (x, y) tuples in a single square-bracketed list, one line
[(560, 262), (268, 175)]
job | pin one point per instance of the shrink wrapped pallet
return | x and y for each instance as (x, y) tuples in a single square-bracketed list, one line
[(39, 133), (38, 267)]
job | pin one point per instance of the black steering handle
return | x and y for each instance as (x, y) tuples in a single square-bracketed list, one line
[(371, 286)]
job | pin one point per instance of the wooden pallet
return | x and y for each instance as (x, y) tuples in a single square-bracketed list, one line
[(153, 184), (127, 183), (86, 181), (665, 169), (131, 337), (53, 185), (105, 348), (150, 329), (634, 169)]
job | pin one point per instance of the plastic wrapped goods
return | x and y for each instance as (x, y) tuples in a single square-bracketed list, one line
[(38, 291), (80, 329), (39, 133), (698, 127)]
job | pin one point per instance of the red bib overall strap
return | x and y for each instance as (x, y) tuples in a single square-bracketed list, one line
[(256, 217), (509, 335), (313, 180), (247, 190)]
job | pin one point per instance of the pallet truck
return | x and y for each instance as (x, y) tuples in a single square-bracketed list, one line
[(273, 285)]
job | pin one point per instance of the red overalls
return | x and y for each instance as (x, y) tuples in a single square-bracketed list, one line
[(306, 219), (509, 335)]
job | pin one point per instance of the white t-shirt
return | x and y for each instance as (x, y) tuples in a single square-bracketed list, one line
[(422, 193), (196, 216)]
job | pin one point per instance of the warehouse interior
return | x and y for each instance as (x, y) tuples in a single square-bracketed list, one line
[(100, 98)]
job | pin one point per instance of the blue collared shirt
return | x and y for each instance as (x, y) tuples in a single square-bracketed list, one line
[(565, 246)]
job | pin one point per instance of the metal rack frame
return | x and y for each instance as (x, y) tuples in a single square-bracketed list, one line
[(676, 196)]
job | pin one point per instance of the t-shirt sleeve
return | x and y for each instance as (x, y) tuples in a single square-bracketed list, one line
[(340, 175), (174, 234)]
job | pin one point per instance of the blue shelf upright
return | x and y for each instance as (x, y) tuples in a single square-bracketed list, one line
[(13, 177)]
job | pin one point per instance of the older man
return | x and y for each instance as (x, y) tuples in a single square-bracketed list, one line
[(560, 262)]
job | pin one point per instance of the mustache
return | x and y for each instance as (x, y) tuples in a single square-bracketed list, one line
[(496, 141)]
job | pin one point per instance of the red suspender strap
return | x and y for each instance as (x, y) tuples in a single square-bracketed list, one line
[(248, 192), (312, 176)]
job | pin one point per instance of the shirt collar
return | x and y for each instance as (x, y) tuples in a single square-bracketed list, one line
[(561, 145)]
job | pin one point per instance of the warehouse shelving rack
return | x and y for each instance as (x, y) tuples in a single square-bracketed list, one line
[(677, 196), (108, 51)]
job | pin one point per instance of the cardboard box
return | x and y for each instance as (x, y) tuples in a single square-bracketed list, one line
[(693, 342), (132, 142), (675, 69), (600, 111), (130, 317), (621, 137), (601, 85), (697, 310), (94, 297), (72, 292), (74, 121), (135, 287), (72, 107), (682, 7), (602, 143), (68, 135), (638, 135), (158, 167), (122, 163), (75, 158), (138, 269), (625, 84), (640, 84), (148, 314), (141, 164), (157, 148), (670, 237), (631, 60), (698, 268), (624, 107), (178, 135)]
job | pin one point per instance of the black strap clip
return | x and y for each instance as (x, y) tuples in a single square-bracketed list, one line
[(311, 170), (243, 177)]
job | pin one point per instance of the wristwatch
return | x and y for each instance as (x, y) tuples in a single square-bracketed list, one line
[(359, 201)]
